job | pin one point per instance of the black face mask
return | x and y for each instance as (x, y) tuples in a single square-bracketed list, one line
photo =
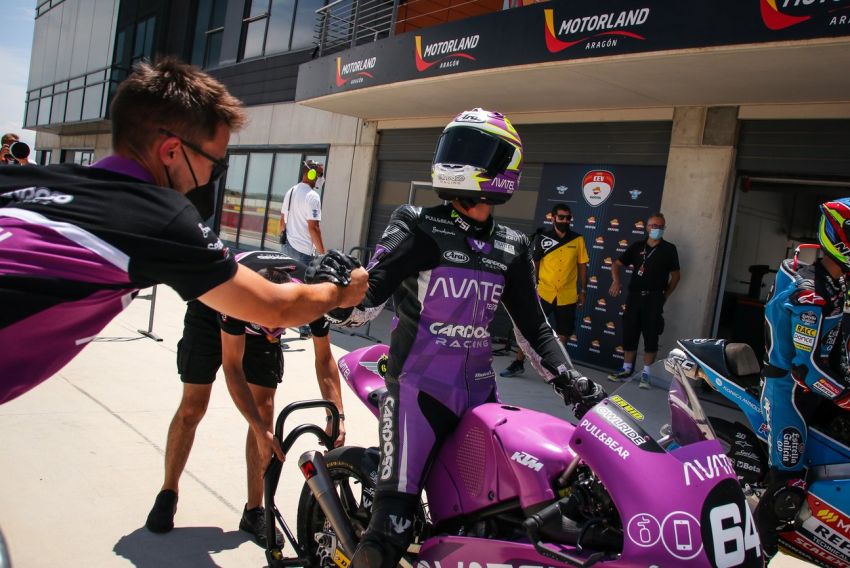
[(202, 196), (562, 227)]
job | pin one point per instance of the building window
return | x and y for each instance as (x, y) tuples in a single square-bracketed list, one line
[(42, 157), (276, 26), (209, 31), (80, 157), (253, 196), (143, 43)]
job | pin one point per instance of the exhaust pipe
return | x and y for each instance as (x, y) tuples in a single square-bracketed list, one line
[(312, 465)]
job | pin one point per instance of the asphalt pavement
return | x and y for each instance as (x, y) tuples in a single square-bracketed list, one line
[(82, 456)]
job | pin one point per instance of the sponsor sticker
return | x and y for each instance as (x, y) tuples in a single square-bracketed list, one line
[(644, 530), (806, 330), (827, 388), (456, 257), (790, 446), (803, 342), (808, 318), (606, 439), (507, 247), (620, 424), (625, 405), (597, 186), (493, 264)]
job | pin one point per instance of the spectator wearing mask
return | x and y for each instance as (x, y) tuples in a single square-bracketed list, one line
[(560, 261), (655, 264)]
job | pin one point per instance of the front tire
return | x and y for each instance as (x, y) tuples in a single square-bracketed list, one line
[(353, 471)]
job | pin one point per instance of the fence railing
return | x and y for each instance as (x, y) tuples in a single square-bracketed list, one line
[(343, 24)]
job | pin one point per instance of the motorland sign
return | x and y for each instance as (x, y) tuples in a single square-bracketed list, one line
[(444, 54), (354, 72), (569, 29), (594, 31)]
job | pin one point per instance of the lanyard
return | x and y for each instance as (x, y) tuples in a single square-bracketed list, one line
[(646, 257)]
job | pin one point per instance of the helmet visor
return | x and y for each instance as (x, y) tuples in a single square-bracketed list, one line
[(465, 146)]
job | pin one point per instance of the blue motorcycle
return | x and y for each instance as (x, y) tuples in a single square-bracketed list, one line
[(821, 532)]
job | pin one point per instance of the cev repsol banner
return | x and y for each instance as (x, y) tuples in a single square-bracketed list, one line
[(610, 205), (570, 29)]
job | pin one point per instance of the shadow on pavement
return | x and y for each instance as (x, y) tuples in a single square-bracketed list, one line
[(189, 547)]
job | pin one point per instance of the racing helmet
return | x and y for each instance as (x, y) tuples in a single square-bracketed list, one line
[(478, 158), (834, 230)]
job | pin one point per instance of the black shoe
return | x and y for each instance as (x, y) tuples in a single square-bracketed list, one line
[(161, 517), (514, 369), (254, 522)]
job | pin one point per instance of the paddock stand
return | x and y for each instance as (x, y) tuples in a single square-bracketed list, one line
[(274, 553)]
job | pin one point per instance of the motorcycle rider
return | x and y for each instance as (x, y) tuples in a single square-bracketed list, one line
[(802, 318), (451, 265)]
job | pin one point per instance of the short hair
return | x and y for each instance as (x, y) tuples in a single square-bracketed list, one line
[(175, 96), (275, 275), (9, 137), (659, 215), (560, 207)]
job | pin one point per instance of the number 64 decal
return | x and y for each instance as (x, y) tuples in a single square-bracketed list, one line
[(733, 534)]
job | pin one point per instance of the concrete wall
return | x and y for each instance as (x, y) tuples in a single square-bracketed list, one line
[(101, 143), (696, 202), (350, 161)]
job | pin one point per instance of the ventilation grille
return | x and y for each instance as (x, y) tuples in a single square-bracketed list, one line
[(471, 461)]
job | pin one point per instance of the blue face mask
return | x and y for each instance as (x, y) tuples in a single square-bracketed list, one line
[(656, 234)]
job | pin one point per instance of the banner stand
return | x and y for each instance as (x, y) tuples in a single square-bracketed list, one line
[(149, 331)]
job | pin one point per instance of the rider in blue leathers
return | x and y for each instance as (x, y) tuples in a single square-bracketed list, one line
[(802, 327)]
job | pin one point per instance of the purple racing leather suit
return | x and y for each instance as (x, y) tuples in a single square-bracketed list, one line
[(450, 274)]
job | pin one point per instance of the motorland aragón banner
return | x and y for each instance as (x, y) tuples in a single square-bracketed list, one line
[(610, 205), (570, 29)]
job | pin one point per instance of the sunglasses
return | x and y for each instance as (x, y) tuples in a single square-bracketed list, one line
[(219, 164), (566, 217)]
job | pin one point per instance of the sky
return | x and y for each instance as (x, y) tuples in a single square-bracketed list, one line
[(16, 29)]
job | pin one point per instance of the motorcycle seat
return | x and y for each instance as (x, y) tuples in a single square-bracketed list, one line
[(743, 365), (734, 361)]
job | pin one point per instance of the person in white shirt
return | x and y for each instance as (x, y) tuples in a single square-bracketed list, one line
[(300, 214)]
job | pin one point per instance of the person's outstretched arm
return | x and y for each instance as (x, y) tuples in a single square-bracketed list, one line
[(250, 297)]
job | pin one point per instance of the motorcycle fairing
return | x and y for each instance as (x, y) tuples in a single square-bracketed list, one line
[(824, 535), (498, 452), (698, 478)]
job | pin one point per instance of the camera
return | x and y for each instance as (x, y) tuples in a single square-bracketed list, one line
[(18, 152)]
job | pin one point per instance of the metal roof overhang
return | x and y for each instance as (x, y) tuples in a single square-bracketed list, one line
[(791, 72)]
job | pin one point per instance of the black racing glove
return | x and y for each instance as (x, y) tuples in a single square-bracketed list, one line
[(578, 391), (334, 267)]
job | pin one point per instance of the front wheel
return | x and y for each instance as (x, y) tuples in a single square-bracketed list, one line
[(353, 471)]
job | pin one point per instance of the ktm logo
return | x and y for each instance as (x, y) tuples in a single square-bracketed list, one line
[(827, 515)]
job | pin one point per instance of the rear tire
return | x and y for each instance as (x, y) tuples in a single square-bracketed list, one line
[(354, 472)]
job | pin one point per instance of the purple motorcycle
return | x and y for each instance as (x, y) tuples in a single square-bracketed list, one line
[(639, 481)]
